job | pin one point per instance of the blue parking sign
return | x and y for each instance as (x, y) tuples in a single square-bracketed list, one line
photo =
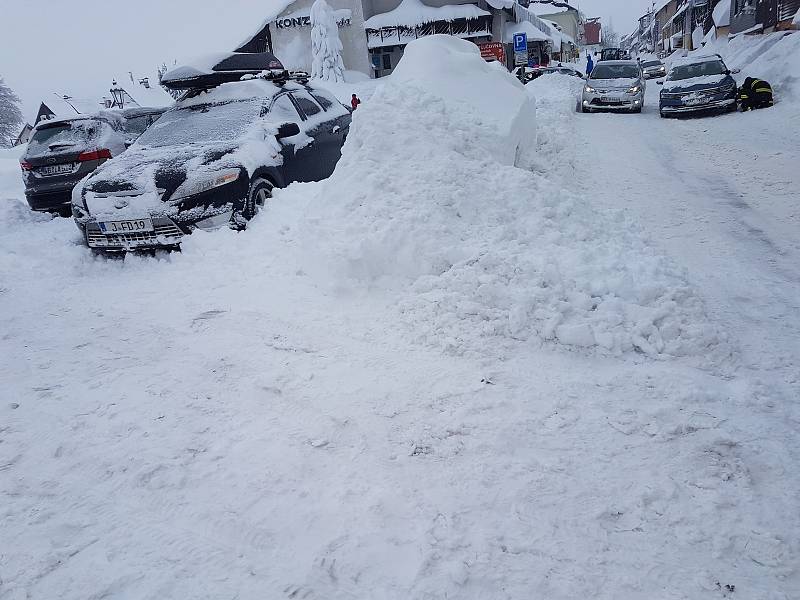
[(520, 42)]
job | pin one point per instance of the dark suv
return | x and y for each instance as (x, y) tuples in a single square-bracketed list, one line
[(698, 84), (61, 152), (212, 160)]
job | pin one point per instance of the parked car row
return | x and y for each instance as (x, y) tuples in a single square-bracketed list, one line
[(692, 85), (241, 128)]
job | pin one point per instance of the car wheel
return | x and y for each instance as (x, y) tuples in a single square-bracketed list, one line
[(637, 110), (663, 116), (257, 197)]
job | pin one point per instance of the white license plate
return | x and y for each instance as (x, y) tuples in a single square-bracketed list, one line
[(610, 100), (694, 101), (49, 170), (132, 226)]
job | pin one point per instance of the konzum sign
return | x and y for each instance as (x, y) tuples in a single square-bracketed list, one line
[(342, 20)]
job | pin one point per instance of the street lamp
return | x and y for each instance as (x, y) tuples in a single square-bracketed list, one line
[(118, 95)]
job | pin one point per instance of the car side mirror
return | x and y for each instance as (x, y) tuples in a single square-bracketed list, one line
[(735, 71), (288, 130)]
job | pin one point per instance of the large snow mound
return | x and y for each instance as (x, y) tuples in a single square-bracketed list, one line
[(470, 246), (772, 57), (449, 67)]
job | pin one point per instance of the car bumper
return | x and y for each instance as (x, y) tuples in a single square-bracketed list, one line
[(166, 234), (713, 105), (49, 201), (612, 103)]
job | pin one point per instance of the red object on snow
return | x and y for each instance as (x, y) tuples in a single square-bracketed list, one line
[(354, 102)]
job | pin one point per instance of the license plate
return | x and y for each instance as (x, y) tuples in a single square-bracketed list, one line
[(132, 226), (49, 170), (610, 99), (694, 101)]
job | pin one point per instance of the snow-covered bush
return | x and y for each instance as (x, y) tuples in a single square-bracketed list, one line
[(326, 47)]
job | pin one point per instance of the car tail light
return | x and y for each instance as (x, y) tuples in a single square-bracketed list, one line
[(25, 165), (94, 155)]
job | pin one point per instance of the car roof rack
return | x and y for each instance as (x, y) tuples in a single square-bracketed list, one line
[(280, 76)]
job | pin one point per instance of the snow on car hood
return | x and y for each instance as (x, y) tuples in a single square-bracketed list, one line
[(613, 84), (151, 174), (705, 80)]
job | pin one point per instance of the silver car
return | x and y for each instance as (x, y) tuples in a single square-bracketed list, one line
[(653, 69), (615, 85)]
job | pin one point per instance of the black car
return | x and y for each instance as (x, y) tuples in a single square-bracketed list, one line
[(61, 152), (698, 84), (212, 160)]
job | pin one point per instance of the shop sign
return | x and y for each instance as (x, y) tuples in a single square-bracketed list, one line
[(343, 18), (493, 51)]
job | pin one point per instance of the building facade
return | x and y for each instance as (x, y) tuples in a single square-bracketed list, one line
[(762, 16), (374, 33)]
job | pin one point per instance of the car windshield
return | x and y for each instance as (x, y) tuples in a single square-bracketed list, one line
[(78, 134), (703, 69), (202, 123), (136, 126), (652, 63), (615, 72)]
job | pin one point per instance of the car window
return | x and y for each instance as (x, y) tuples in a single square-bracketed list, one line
[(203, 123), (615, 72), (52, 137), (324, 99), (703, 69), (283, 110), (136, 126), (307, 104)]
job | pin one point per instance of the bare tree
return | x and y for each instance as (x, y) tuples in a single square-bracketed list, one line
[(10, 116), (610, 36)]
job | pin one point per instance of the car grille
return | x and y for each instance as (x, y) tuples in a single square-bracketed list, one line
[(164, 234), (697, 93)]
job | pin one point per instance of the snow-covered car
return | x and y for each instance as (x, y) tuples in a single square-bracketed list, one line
[(61, 152), (653, 69), (212, 160), (616, 85), (698, 84)]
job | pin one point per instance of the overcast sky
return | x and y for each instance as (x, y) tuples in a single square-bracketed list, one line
[(77, 46)]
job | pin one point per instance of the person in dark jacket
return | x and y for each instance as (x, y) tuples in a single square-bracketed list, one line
[(589, 65), (755, 93), (355, 101)]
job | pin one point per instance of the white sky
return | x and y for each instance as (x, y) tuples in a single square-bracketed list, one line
[(51, 46)]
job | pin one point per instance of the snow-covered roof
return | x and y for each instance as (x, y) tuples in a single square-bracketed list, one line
[(67, 106), (722, 13), (534, 33), (267, 10), (412, 13), (500, 4), (548, 8)]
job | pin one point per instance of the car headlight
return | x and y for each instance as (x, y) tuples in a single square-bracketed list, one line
[(192, 187), (635, 89), (588, 89)]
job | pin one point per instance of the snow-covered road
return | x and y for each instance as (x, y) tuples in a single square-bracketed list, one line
[(720, 195), (241, 420)]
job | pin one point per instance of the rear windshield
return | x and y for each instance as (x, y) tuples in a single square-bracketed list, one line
[(203, 123), (136, 126), (651, 63), (62, 136), (615, 72), (703, 69)]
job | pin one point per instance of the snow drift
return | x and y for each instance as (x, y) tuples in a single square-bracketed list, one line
[(471, 246)]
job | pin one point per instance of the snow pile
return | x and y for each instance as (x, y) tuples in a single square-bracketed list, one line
[(722, 13), (412, 13), (472, 246), (772, 57)]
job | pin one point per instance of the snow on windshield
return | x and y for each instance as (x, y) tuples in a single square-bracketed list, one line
[(703, 69), (203, 123), (615, 72), (78, 134)]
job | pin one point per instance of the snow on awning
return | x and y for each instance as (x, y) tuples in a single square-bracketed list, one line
[(753, 29), (413, 13), (534, 33), (500, 4), (722, 13)]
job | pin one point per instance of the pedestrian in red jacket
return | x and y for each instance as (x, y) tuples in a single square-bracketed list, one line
[(354, 102)]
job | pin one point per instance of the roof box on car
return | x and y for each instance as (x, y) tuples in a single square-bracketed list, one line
[(211, 71)]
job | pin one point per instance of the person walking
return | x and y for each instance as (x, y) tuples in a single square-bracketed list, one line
[(355, 101), (589, 65)]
